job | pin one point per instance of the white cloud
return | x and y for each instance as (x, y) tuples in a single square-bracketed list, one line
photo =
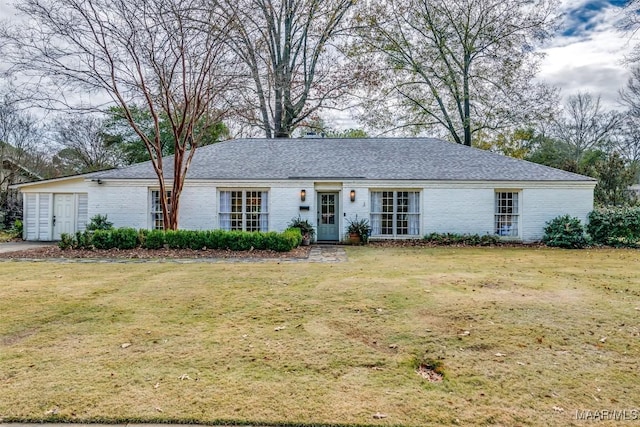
[(591, 58)]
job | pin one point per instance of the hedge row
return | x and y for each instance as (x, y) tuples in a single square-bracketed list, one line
[(618, 227), (129, 238)]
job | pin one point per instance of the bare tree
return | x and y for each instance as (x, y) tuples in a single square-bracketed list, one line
[(585, 125), (22, 157), (629, 138), (630, 24), (165, 55), (462, 66), (292, 65), (83, 144)]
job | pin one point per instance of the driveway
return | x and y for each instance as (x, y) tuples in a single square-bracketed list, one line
[(23, 246)]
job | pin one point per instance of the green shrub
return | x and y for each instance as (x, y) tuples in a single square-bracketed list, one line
[(142, 237), (124, 238), (618, 227), (258, 241), (67, 241), (155, 239), (196, 240), (462, 239), (288, 240), (565, 232), (83, 240), (213, 239), (99, 222), (17, 228), (129, 238), (103, 239), (174, 239)]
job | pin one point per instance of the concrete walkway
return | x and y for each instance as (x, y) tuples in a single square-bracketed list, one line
[(22, 246), (327, 253)]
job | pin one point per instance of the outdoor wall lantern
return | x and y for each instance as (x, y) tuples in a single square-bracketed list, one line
[(303, 195), (352, 195)]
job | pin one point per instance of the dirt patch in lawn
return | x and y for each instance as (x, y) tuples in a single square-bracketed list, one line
[(301, 252)]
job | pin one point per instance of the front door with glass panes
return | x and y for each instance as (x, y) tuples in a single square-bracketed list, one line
[(328, 219)]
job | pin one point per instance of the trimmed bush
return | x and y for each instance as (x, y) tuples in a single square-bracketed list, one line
[(213, 239), (154, 240), (129, 238), (197, 241), (177, 239), (619, 227), (124, 238), (565, 232), (102, 239)]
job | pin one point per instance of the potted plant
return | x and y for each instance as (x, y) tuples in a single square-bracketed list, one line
[(306, 229), (358, 230)]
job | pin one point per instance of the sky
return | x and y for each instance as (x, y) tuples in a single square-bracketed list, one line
[(587, 53)]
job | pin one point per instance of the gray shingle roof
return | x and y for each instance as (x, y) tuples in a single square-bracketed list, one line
[(373, 158)]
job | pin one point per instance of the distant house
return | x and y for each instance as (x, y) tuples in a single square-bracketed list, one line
[(406, 187)]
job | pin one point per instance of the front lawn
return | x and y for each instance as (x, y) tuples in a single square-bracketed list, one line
[(524, 336)]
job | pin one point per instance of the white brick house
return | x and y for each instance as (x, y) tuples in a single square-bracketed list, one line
[(406, 187)]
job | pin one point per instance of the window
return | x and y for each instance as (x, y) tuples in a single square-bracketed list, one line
[(395, 213), (507, 214), (245, 210), (157, 219)]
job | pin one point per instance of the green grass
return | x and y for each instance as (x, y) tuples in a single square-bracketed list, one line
[(523, 336)]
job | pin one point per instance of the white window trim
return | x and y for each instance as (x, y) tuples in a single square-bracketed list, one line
[(417, 215), (518, 214), (152, 212), (264, 221)]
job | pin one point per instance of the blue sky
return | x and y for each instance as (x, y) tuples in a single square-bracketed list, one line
[(583, 19), (589, 50)]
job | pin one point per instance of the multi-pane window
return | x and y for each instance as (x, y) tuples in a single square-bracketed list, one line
[(507, 214), (157, 219), (245, 210), (395, 213)]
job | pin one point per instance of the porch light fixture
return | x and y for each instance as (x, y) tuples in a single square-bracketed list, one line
[(303, 195), (352, 195)]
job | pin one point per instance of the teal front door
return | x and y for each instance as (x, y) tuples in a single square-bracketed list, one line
[(328, 216)]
